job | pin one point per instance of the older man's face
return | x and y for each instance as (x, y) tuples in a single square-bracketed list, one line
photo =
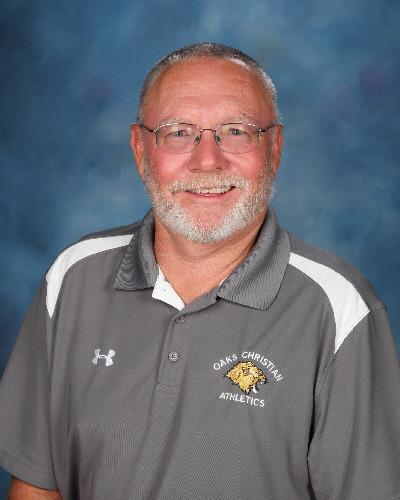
[(208, 92)]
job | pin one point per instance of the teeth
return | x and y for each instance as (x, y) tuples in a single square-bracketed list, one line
[(215, 190)]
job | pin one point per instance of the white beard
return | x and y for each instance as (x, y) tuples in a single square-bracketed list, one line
[(175, 217)]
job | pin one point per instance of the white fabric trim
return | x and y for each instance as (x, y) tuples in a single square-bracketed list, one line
[(164, 291), (71, 256), (348, 306)]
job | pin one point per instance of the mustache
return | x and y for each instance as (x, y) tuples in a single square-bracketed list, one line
[(208, 181)]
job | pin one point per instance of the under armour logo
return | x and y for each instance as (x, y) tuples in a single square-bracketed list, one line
[(107, 357)]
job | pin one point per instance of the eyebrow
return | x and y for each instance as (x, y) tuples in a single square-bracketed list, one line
[(244, 116), (172, 119), (232, 119)]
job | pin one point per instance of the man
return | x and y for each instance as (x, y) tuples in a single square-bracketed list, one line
[(203, 353)]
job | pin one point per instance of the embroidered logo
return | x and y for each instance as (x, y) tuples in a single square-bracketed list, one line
[(246, 375), (108, 357)]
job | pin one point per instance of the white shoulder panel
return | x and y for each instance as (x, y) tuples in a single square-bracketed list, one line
[(71, 256), (348, 306)]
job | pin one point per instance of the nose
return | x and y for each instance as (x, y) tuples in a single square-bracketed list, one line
[(207, 156)]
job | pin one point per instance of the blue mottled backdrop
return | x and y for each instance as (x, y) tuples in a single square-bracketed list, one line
[(70, 77)]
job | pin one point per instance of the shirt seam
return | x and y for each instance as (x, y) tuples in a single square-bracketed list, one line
[(331, 362), (81, 261), (317, 285)]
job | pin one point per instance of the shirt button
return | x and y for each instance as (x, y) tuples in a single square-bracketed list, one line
[(180, 319), (173, 356)]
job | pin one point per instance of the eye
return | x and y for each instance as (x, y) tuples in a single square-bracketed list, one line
[(236, 131), (178, 133)]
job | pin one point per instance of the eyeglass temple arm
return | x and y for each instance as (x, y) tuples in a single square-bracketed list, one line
[(144, 126), (265, 129)]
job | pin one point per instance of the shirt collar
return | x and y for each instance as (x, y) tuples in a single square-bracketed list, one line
[(138, 268), (255, 282)]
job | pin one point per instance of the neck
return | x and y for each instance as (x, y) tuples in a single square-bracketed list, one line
[(195, 268)]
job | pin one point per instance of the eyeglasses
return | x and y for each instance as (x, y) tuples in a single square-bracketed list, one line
[(180, 138)]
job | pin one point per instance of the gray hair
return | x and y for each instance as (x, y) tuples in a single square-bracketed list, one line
[(207, 49)]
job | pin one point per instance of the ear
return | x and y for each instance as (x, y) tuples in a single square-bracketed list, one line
[(137, 147), (276, 149)]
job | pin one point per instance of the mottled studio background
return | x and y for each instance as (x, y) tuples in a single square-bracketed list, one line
[(70, 76)]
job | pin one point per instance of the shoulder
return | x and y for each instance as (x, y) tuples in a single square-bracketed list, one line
[(86, 248), (91, 245), (350, 294), (330, 271)]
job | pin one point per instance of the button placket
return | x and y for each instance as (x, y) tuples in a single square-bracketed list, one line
[(172, 362)]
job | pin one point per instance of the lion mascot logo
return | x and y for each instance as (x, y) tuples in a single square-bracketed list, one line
[(246, 375)]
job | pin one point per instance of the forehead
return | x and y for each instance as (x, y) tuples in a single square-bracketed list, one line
[(205, 89)]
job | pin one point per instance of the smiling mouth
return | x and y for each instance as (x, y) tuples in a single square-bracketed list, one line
[(209, 185), (210, 190)]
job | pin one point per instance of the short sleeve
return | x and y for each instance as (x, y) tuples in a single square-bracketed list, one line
[(25, 449), (355, 448)]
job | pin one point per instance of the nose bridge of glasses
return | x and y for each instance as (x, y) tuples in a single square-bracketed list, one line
[(217, 138)]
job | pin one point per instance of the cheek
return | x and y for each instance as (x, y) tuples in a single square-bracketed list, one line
[(252, 167), (167, 168)]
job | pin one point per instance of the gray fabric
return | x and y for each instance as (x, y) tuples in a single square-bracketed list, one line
[(24, 402), (323, 426), (257, 280), (138, 268), (354, 452)]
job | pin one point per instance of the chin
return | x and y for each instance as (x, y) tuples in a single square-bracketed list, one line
[(236, 221)]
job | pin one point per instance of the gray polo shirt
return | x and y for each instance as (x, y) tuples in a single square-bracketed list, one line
[(282, 383)]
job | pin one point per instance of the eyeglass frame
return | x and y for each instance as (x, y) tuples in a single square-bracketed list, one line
[(213, 130)]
